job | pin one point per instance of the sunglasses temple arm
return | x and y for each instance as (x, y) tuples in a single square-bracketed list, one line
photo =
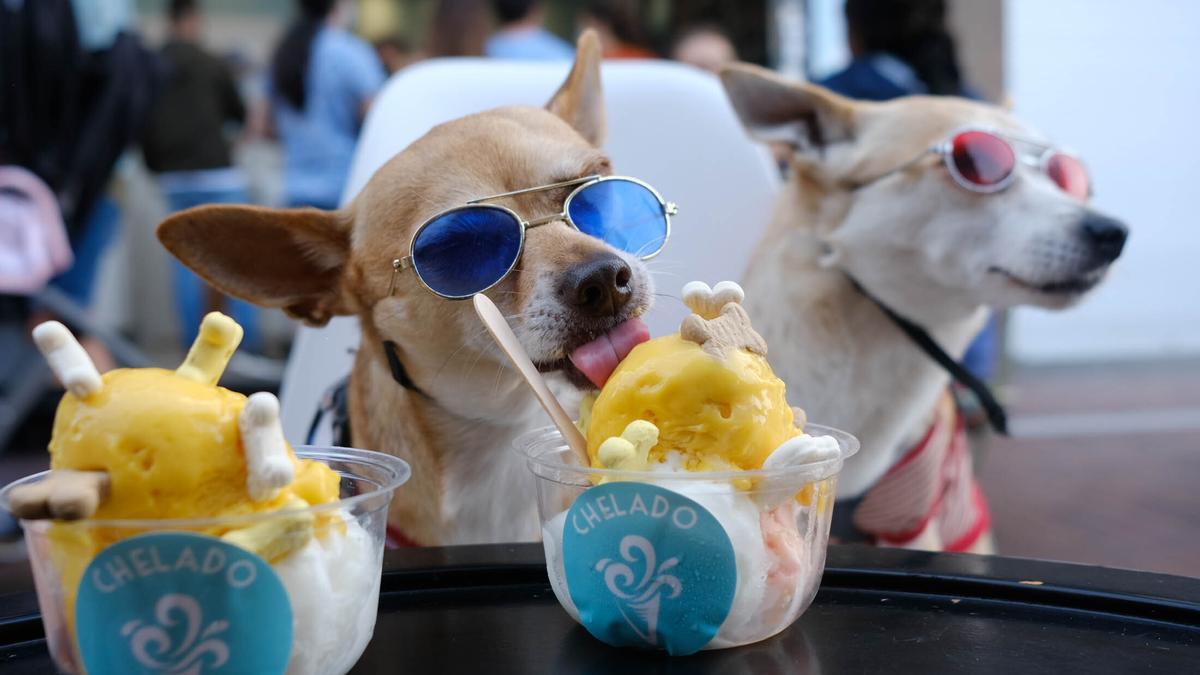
[(398, 265)]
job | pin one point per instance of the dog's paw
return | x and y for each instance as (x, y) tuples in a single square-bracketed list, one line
[(708, 302)]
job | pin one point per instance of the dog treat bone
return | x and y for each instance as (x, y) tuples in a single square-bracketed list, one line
[(276, 538), (629, 451), (708, 302), (63, 495), (67, 359), (729, 330), (213, 347), (268, 467), (796, 451)]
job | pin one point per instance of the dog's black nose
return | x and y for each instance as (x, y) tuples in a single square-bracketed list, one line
[(598, 287), (1105, 235)]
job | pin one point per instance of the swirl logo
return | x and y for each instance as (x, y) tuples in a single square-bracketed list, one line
[(176, 603), (644, 597), (671, 581), (151, 645)]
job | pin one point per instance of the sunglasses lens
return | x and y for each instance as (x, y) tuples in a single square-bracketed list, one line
[(1069, 174), (626, 215), (466, 251), (982, 159)]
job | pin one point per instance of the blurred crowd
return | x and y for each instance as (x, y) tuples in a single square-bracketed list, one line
[(87, 89)]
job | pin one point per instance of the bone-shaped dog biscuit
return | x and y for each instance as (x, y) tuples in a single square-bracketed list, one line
[(630, 451), (794, 452), (730, 330), (708, 302), (67, 359), (268, 467), (64, 494), (218, 338)]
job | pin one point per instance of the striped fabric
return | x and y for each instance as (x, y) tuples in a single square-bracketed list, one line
[(397, 539), (933, 485)]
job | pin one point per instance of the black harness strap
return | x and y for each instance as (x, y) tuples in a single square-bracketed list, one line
[(997, 417)]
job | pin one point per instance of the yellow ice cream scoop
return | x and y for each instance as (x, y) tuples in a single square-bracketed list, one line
[(720, 413), (708, 390), (175, 445)]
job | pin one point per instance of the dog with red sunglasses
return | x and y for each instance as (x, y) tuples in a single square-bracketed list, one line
[(519, 203), (901, 224)]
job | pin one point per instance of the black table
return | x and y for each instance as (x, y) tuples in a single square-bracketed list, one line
[(489, 609)]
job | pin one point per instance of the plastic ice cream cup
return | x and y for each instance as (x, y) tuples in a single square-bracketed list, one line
[(683, 561), (170, 595)]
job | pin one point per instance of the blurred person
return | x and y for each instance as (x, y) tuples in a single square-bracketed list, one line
[(898, 48), (187, 146), (459, 28), (619, 27), (522, 36), (395, 53), (904, 48), (705, 47), (78, 84), (323, 79)]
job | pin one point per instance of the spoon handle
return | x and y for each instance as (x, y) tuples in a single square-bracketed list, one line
[(494, 321)]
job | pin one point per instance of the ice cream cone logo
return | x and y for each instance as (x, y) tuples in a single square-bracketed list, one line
[(630, 550), (199, 649), (641, 595)]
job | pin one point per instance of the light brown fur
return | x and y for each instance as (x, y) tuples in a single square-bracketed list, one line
[(468, 486)]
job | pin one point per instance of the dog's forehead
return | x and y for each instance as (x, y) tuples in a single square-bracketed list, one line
[(919, 122), (470, 157), (515, 147)]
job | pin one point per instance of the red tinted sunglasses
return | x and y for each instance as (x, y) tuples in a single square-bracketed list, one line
[(985, 161)]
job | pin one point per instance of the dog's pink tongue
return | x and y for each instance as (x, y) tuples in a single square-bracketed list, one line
[(599, 358)]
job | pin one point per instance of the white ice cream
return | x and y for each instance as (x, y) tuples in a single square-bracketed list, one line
[(333, 585)]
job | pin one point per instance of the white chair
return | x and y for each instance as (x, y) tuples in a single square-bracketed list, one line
[(668, 124)]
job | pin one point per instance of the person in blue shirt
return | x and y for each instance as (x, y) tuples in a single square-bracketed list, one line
[(898, 48), (323, 79), (522, 36), (903, 48)]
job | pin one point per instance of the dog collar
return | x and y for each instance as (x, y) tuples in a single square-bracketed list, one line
[(399, 373), (997, 417)]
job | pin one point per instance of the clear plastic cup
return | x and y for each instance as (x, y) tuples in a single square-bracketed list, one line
[(683, 561), (133, 596)]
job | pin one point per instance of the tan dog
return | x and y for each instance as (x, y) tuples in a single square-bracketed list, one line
[(865, 201), (468, 485)]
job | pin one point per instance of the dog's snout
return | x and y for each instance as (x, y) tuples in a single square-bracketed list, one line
[(1105, 235), (598, 287)]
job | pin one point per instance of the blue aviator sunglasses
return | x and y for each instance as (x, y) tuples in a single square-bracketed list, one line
[(468, 249)]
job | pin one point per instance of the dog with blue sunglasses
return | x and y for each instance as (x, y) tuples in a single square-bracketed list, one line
[(519, 203)]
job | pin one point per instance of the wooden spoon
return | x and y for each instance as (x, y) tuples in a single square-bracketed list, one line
[(500, 330)]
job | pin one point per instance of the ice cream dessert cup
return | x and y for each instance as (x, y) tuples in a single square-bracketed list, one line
[(172, 595), (683, 561), (177, 531), (693, 511)]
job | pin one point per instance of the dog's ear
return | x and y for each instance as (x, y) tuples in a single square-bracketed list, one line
[(580, 100), (293, 259), (775, 109)]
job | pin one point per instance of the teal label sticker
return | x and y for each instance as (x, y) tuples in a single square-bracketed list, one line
[(648, 567), (174, 602)]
